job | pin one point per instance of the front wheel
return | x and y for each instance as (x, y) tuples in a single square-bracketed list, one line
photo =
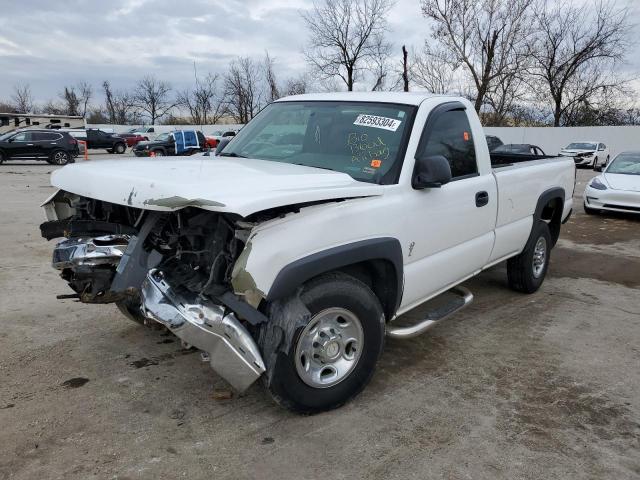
[(120, 148), (595, 163), (131, 310), (59, 157), (321, 347), (159, 153), (2, 158), (526, 272)]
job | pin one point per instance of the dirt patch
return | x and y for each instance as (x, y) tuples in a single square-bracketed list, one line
[(605, 229), (606, 268), (76, 382)]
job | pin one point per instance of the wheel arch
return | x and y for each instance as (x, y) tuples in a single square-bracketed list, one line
[(377, 262), (549, 209)]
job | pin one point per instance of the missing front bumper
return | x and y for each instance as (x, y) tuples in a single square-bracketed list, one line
[(232, 351)]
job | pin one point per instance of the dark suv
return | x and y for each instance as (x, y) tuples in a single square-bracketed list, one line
[(111, 142), (57, 148)]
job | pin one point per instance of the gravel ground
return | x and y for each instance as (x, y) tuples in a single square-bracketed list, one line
[(541, 386)]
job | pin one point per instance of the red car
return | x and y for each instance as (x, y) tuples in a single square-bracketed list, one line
[(132, 139)]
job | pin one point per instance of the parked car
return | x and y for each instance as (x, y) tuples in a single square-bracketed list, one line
[(618, 188), (593, 154), (218, 135), (493, 142), (519, 149), (291, 258), (165, 144), (132, 139), (56, 147), (100, 140)]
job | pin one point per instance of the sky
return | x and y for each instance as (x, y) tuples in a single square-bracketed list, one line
[(49, 44)]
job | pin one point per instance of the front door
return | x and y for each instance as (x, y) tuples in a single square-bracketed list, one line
[(21, 145), (452, 227)]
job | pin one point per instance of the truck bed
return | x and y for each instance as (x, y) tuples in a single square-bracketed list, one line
[(499, 160)]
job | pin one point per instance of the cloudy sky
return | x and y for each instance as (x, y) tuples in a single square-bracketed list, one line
[(50, 44)]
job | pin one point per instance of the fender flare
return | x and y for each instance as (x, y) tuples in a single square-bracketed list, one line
[(546, 197), (543, 201), (296, 273)]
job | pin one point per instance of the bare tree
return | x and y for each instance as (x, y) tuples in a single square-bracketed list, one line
[(204, 102), (577, 51), (343, 36), (379, 62), (118, 105), (70, 101), (487, 37), (51, 107), (22, 98), (85, 92), (405, 69), (273, 92), (242, 90), (296, 86), (433, 71), (151, 96)]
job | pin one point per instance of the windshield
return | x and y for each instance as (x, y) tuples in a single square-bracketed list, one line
[(625, 163), (363, 140), (6, 136), (581, 146)]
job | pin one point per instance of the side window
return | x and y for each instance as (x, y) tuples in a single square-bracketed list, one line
[(151, 130), (451, 137), (22, 137), (602, 147)]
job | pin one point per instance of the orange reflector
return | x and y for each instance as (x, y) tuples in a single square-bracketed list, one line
[(466, 136), (376, 163)]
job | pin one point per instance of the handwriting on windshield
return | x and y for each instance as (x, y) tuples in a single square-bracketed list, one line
[(365, 149)]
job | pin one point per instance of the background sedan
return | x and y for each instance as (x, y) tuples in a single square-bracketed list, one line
[(618, 188)]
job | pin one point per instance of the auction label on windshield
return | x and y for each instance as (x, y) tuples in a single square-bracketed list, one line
[(374, 121)]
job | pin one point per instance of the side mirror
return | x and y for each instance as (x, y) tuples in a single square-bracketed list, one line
[(221, 144), (11, 140), (431, 172)]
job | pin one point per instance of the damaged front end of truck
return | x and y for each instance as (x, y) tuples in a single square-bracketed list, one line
[(175, 268)]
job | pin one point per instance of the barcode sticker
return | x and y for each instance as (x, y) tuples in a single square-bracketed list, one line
[(374, 121)]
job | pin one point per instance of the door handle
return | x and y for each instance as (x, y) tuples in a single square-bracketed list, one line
[(29, 144), (482, 198)]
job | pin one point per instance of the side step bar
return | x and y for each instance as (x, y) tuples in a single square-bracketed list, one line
[(463, 298)]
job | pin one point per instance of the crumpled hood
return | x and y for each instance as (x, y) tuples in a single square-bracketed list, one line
[(620, 181), (236, 185)]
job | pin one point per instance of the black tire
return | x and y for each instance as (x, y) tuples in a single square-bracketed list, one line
[(2, 158), (109, 150), (159, 153), (120, 148), (131, 311), (589, 210), (279, 339), (595, 163), (59, 157), (522, 275)]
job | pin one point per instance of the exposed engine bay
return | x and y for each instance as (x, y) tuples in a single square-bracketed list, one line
[(174, 268)]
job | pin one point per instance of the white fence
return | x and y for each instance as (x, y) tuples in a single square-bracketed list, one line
[(552, 139)]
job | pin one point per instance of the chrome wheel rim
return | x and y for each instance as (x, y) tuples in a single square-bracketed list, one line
[(60, 158), (539, 257), (329, 347)]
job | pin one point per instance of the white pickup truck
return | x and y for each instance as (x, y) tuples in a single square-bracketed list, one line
[(290, 254)]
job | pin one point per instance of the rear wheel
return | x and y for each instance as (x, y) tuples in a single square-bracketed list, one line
[(526, 272), (321, 347), (59, 157), (120, 148)]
